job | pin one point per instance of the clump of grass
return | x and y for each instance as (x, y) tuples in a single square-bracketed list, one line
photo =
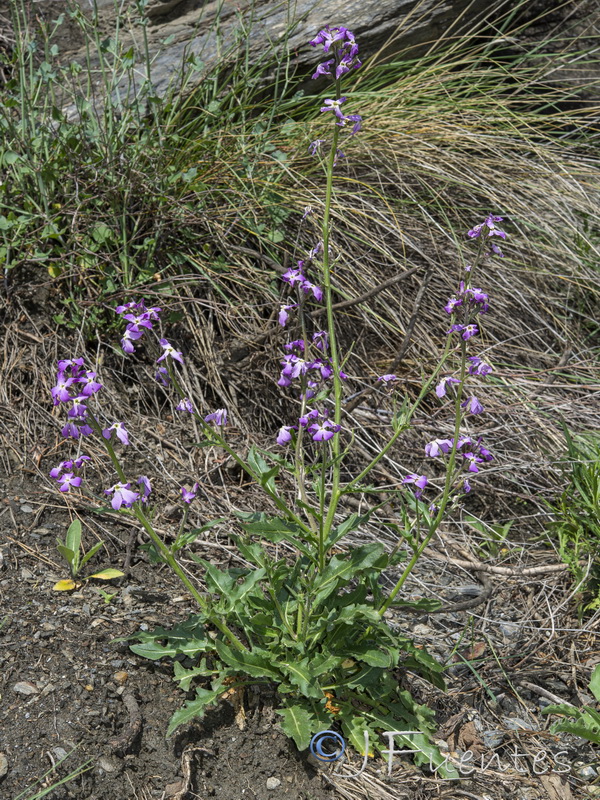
[(575, 527), (200, 195)]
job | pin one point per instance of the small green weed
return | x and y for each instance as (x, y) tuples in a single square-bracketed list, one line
[(70, 550), (576, 523), (586, 720)]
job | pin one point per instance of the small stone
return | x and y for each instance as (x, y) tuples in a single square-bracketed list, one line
[(588, 773), (26, 509), (510, 629), (273, 783), (26, 574), (171, 789), (3, 765), (25, 687), (60, 753), (106, 764), (120, 677), (516, 724), (492, 739), (421, 630)]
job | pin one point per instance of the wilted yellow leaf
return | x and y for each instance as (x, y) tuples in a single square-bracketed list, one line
[(66, 585), (108, 574)]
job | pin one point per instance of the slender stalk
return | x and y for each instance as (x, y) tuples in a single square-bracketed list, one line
[(162, 547)]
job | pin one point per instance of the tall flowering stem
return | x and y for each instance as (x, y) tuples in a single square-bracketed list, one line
[(467, 299)]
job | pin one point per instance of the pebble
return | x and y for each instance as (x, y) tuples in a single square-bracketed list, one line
[(510, 629), (120, 677), (26, 509), (3, 765), (25, 687), (60, 752), (421, 630), (106, 764), (492, 739), (26, 574), (516, 724), (587, 773), (273, 783)]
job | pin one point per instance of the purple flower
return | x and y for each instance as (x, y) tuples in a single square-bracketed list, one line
[(219, 417), (317, 249), (488, 222), (185, 405), (419, 481), (479, 367), (137, 321), (466, 486), (169, 351), (284, 313), (438, 446), (307, 287), (388, 378), (146, 488), (60, 392), (307, 211), (64, 465), (347, 63), (309, 414), (327, 37), (442, 386), (188, 495), (323, 431), (162, 376), (297, 344), (355, 118), (473, 406), (130, 336), (89, 384), (122, 496), (314, 146), (79, 462), (334, 105), (293, 276), (485, 454), (119, 429), (324, 68), (473, 460), (452, 304), (321, 340), (68, 480), (75, 365), (73, 431), (285, 434), (127, 307)]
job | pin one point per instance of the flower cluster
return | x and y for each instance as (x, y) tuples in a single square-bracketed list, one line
[(467, 302), (139, 319), (313, 371), (74, 387), (489, 226), (64, 473), (340, 43)]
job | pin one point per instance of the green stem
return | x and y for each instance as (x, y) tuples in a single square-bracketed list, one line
[(162, 547), (222, 442), (450, 475)]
